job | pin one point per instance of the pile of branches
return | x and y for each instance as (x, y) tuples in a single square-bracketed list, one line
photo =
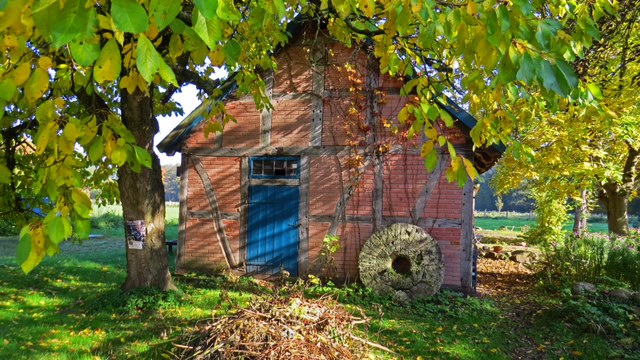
[(279, 328)]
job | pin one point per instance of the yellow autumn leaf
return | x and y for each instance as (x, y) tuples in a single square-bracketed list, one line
[(21, 73), (367, 7), (427, 148), (71, 132), (45, 63), (176, 47), (36, 86), (217, 56), (107, 67), (10, 41), (37, 252)]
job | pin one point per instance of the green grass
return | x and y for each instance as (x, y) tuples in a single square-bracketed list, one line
[(70, 307), (107, 221), (517, 222)]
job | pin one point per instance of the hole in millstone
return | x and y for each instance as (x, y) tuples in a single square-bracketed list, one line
[(401, 265)]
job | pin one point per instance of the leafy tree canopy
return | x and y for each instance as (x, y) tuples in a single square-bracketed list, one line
[(588, 148), (68, 67)]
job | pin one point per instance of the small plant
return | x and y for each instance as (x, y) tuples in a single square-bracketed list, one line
[(326, 262)]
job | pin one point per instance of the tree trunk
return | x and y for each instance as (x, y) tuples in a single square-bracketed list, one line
[(142, 196), (615, 199), (581, 215)]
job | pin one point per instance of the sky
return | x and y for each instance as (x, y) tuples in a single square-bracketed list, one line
[(189, 100)]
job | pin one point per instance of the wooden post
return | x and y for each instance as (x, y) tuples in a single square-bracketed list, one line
[(182, 228), (318, 60), (303, 247), (466, 238), (244, 207), (266, 115), (372, 117)]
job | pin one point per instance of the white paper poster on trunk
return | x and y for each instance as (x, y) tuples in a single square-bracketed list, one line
[(136, 233)]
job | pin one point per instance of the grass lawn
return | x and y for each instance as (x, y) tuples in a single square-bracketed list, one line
[(517, 222), (70, 307)]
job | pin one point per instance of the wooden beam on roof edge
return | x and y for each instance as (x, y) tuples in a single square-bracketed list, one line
[(215, 212)]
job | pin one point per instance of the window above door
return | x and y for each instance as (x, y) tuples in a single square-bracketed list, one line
[(274, 167)]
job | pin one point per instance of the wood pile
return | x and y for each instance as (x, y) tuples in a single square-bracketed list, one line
[(279, 328)]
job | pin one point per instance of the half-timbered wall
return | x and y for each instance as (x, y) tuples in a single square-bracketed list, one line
[(314, 118)]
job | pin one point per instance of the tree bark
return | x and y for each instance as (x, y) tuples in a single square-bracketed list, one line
[(142, 197), (614, 199), (581, 215)]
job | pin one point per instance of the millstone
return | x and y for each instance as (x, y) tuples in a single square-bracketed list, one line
[(402, 259)]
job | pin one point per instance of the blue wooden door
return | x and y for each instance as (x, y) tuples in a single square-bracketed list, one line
[(272, 239)]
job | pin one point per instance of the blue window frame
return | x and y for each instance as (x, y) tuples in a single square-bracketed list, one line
[(272, 167)]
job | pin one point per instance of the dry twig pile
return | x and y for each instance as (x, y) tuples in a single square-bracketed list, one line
[(279, 328)]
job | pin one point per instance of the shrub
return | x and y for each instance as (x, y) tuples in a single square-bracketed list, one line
[(594, 257), (583, 258), (8, 228), (623, 261), (108, 220)]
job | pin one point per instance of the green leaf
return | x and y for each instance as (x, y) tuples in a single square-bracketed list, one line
[(71, 22), (548, 77), (3, 4), (143, 156), (7, 89), (164, 11), (85, 53), (431, 160), (5, 174), (595, 91), (107, 67), (566, 78), (129, 16), (526, 73), (167, 74), (505, 20), (208, 8), (232, 51), (45, 15), (461, 176), (150, 62), (81, 203), (227, 11), (96, 151), (147, 58), (56, 229), (82, 228), (24, 246), (433, 112), (209, 30)]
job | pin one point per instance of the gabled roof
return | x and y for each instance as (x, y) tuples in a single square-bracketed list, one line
[(173, 141)]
